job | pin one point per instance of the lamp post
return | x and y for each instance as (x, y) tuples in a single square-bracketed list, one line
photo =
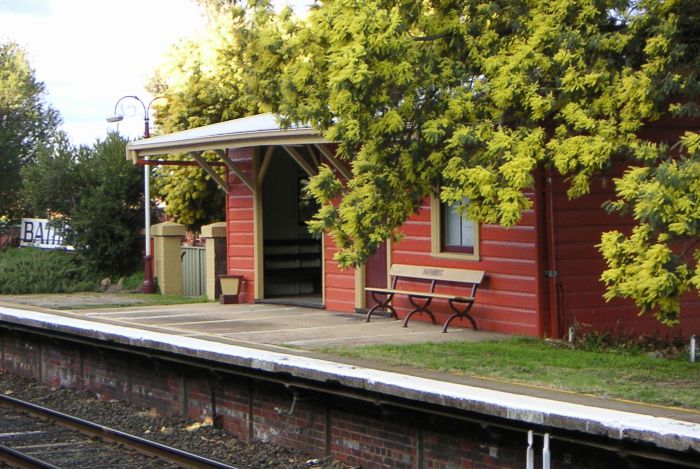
[(148, 285)]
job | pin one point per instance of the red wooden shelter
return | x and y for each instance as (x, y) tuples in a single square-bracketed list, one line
[(542, 276)]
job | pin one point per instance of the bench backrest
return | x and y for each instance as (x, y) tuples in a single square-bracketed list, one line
[(474, 277)]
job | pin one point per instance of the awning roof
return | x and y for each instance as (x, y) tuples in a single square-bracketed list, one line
[(262, 129)]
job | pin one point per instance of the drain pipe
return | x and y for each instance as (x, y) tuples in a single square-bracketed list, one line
[(551, 273), (693, 348)]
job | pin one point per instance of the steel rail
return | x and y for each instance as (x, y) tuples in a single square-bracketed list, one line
[(17, 459), (136, 443)]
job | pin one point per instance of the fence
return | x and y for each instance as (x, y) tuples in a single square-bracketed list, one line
[(194, 271)]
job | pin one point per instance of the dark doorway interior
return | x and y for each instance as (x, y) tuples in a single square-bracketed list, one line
[(292, 257)]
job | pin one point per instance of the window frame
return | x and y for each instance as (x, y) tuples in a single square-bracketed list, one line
[(437, 223)]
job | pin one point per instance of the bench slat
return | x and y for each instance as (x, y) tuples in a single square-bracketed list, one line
[(437, 273), (422, 294)]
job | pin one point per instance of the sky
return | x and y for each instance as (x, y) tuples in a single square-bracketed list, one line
[(89, 53)]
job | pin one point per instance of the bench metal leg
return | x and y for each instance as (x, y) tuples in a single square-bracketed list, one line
[(460, 313), (384, 304), (419, 309)]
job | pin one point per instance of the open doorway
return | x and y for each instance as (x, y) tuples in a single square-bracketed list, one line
[(292, 258)]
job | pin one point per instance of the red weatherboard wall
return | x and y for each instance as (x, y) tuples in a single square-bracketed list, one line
[(578, 228), (339, 283), (239, 207), (507, 301), (578, 225)]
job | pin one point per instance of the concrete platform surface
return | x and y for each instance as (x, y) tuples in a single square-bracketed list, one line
[(301, 332)]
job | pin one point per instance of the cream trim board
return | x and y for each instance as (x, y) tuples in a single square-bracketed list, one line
[(323, 270), (436, 235), (360, 300), (388, 262), (137, 151), (258, 232)]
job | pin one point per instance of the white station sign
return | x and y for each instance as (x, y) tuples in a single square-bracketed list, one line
[(40, 233)]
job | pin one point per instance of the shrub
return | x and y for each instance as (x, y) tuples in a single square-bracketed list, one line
[(99, 193), (30, 270)]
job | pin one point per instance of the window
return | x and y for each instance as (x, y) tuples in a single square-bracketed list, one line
[(452, 235)]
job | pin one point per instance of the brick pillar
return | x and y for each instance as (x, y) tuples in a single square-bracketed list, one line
[(168, 239), (215, 245)]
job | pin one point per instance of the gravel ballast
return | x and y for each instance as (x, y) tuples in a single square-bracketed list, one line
[(188, 435)]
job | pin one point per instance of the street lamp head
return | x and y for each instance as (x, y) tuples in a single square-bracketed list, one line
[(115, 118)]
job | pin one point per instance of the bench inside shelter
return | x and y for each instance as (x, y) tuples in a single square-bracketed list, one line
[(432, 277), (292, 267)]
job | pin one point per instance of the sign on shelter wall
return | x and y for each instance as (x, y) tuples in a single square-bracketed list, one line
[(41, 233)]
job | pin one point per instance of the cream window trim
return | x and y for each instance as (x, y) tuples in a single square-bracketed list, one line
[(436, 236)]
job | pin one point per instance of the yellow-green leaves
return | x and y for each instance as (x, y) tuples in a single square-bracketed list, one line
[(658, 262), (641, 268), (471, 97)]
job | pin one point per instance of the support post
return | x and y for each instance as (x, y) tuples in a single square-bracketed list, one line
[(168, 239), (148, 285), (215, 252)]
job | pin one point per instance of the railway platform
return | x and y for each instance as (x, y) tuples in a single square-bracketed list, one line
[(285, 339)]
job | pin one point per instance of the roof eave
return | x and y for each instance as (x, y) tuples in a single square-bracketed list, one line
[(144, 148)]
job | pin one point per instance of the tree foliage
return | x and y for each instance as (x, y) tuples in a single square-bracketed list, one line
[(26, 121), (466, 98), (50, 186), (203, 83), (99, 193)]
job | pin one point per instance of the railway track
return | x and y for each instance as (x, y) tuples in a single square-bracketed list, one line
[(32, 436)]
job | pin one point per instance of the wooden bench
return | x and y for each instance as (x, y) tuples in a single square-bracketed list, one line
[(293, 266), (421, 300)]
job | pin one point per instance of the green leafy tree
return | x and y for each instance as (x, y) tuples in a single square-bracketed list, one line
[(108, 218), (25, 122), (466, 98), (202, 83), (50, 185), (98, 193)]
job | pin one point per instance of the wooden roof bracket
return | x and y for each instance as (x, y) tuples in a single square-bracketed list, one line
[(301, 161), (223, 154), (335, 162), (197, 156), (314, 156), (267, 159)]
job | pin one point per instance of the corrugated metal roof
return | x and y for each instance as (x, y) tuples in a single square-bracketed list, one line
[(246, 131)]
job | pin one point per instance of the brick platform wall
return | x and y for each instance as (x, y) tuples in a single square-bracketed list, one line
[(358, 432)]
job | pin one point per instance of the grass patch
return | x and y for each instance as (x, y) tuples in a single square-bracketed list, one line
[(622, 375), (133, 281), (118, 300)]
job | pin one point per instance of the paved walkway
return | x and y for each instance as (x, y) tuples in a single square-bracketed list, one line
[(301, 332), (283, 328)]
